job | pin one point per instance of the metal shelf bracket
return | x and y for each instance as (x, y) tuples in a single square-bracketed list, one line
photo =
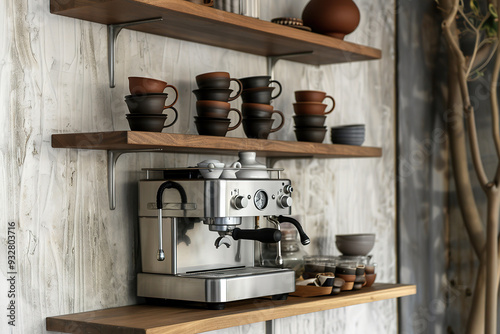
[(272, 60), (113, 156), (113, 31)]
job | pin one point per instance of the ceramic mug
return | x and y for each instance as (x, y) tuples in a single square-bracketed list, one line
[(261, 95), (142, 86), (150, 123), (221, 80), (313, 96), (260, 128), (215, 109), (151, 103), (260, 81)]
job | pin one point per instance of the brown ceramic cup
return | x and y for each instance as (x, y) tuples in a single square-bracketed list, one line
[(214, 109), (141, 86), (152, 103), (214, 94), (313, 96), (258, 110), (220, 80), (151, 122), (210, 126), (310, 108), (259, 82), (259, 128), (261, 95)]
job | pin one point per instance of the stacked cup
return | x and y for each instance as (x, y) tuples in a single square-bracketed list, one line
[(213, 95), (147, 103), (310, 115), (256, 107)]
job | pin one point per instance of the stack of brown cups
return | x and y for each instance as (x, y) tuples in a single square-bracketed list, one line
[(147, 103), (213, 95), (256, 107), (310, 115)]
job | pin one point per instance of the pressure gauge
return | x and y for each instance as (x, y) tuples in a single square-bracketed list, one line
[(260, 199)]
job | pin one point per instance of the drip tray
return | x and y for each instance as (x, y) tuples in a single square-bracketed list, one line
[(217, 286)]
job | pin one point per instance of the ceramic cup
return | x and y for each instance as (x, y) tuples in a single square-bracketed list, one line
[(259, 128), (311, 108), (152, 103), (141, 86), (260, 81), (258, 110), (215, 109), (311, 134), (258, 95), (213, 126), (221, 80), (309, 120), (214, 94), (324, 280), (151, 123)]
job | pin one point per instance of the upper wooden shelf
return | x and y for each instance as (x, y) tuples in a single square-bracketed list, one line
[(191, 22), (180, 143), (148, 319)]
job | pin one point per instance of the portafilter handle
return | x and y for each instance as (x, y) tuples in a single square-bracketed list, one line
[(267, 235)]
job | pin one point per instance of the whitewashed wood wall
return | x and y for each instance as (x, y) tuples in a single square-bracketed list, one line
[(74, 254)]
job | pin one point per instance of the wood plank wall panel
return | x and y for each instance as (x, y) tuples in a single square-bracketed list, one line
[(77, 255)]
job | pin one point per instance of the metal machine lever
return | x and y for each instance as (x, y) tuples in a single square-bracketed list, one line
[(267, 235)]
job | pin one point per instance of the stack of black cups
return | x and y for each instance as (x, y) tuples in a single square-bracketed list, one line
[(256, 108), (213, 95)]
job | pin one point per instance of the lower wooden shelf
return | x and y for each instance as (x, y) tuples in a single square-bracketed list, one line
[(142, 319)]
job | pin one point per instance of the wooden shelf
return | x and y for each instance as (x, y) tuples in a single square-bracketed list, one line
[(191, 22), (180, 143), (148, 319)]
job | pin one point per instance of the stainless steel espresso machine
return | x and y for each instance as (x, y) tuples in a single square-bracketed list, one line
[(198, 237)]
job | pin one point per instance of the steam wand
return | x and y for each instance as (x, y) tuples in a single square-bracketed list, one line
[(160, 256)]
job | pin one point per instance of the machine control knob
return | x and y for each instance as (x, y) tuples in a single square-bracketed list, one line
[(288, 189), (285, 201), (240, 202)]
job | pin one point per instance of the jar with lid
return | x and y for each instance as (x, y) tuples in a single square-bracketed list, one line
[(292, 250)]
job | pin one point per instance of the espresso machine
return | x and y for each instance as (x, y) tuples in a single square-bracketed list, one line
[(200, 237)]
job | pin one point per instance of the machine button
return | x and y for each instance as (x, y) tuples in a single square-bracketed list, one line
[(288, 189), (285, 201), (240, 202)]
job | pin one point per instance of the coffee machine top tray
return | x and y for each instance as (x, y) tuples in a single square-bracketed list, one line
[(194, 172)]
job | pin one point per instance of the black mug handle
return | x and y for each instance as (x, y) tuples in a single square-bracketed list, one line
[(175, 119)]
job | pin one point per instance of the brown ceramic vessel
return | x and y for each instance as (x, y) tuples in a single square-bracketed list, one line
[(310, 108), (335, 18), (214, 94), (311, 134), (309, 120), (259, 82), (210, 126), (141, 86), (221, 80), (261, 95), (215, 109)]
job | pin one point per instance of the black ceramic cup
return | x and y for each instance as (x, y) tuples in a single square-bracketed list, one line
[(260, 81), (311, 134), (215, 94), (259, 128), (258, 95), (210, 126), (152, 103), (309, 120), (150, 123)]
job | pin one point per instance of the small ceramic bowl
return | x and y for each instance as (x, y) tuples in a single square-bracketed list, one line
[(211, 169)]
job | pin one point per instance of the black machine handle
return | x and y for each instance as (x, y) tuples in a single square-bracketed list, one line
[(267, 235), (304, 239)]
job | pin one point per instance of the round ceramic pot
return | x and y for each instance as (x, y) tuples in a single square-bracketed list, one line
[(335, 18)]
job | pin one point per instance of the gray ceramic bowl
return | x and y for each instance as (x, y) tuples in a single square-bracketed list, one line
[(355, 244)]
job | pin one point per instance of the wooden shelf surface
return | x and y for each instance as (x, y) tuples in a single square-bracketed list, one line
[(180, 143), (148, 319), (191, 22)]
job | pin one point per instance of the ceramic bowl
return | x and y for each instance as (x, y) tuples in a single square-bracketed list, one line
[(211, 169), (355, 244)]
